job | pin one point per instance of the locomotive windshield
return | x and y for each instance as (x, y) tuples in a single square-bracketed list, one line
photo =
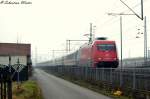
[(106, 47)]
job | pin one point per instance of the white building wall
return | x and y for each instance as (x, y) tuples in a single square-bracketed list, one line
[(5, 60)]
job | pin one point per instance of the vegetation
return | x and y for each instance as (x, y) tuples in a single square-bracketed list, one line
[(26, 90)]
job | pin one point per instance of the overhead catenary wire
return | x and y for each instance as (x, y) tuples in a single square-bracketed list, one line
[(110, 20)]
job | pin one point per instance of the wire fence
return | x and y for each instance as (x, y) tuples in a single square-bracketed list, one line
[(8, 74), (131, 78)]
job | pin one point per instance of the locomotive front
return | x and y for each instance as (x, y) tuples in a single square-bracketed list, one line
[(105, 54)]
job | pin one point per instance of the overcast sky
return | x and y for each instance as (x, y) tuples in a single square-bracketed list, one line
[(46, 24)]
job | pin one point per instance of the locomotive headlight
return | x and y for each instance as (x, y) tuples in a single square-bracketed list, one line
[(115, 58), (99, 58)]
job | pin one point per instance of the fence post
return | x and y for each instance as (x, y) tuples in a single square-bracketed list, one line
[(111, 75), (134, 79), (102, 74), (9, 89), (96, 74), (5, 89), (86, 72), (1, 86), (120, 77)]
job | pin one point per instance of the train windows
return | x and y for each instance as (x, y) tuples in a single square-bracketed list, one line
[(106, 47)]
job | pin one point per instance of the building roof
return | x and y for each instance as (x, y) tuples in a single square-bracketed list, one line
[(14, 49)]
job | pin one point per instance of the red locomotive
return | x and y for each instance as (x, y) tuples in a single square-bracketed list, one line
[(100, 53)]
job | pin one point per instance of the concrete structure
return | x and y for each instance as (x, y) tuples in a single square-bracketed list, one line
[(15, 51)]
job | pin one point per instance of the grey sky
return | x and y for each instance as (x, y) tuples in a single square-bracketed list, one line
[(46, 24)]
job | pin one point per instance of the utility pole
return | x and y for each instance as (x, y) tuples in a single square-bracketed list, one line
[(66, 46), (69, 45), (121, 64), (141, 9), (121, 49), (91, 35), (121, 39), (35, 56), (145, 42), (148, 52), (90, 38), (53, 56)]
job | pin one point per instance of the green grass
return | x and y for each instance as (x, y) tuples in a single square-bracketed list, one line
[(27, 90)]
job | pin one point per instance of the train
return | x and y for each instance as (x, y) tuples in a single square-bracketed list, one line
[(100, 53)]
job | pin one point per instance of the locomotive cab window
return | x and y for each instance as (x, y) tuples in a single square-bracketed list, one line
[(106, 47)]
